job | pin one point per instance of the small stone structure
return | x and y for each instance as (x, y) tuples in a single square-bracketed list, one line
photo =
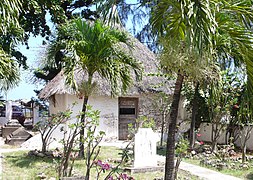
[(18, 137), (145, 148), (145, 158), (10, 127)]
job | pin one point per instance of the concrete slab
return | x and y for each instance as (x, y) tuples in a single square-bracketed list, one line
[(133, 170)]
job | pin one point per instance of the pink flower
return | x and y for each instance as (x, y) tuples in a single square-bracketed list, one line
[(198, 135), (99, 163), (105, 166), (201, 142), (110, 178), (236, 106), (124, 176)]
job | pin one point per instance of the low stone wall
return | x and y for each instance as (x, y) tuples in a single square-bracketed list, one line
[(206, 136), (206, 133)]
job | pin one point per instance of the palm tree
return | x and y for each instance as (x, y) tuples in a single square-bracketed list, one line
[(9, 75), (94, 49), (192, 31), (9, 14)]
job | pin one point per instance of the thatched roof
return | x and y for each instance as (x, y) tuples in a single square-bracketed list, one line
[(140, 52)]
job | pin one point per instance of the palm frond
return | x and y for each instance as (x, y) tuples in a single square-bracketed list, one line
[(9, 14), (9, 73), (93, 48)]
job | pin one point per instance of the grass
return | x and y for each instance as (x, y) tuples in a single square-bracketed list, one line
[(19, 166), (240, 173)]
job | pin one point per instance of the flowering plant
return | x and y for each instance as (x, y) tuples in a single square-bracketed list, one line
[(103, 167)]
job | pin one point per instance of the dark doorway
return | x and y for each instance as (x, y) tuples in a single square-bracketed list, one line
[(128, 108)]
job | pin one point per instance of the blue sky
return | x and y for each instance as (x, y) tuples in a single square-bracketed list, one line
[(25, 88)]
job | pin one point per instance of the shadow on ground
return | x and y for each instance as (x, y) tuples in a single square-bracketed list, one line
[(250, 176), (23, 160)]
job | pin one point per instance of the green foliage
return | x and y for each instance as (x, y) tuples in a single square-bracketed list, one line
[(186, 21), (94, 48), (145, 122), (70, 142), (34, 18), (9, 14), (10, 34), (127, 156), (202, 98), (223, 95), (182, 147), (141, 122), (48, 125), (9, 74), (245, 109)]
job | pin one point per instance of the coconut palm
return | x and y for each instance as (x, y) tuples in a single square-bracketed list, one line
[(196, 32), (94, 49), (9, 14)]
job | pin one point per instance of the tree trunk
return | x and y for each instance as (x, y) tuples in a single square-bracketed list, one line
[(162, 130), (179, 159), (87, 176), (81, 151), (244, 150), (194, 114), (44, 147), (170, 151), (68, 151), (214, 145)]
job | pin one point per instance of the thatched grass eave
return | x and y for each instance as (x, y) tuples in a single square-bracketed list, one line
[(141, 53)]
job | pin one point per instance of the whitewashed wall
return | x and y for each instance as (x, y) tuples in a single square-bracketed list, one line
[(108, 108), (58, 103), (206, 133), (249, 143)]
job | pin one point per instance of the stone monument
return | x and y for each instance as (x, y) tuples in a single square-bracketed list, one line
[(145, 148), (145, 158)]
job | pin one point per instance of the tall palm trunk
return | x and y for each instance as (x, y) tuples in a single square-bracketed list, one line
[(170, 152), (81, 150), (86, 91), (194, 114)]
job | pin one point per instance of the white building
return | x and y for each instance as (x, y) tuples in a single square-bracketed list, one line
[(116, 112)]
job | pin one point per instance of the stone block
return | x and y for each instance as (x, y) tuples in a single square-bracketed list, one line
[(17, 137), (145, 148)]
